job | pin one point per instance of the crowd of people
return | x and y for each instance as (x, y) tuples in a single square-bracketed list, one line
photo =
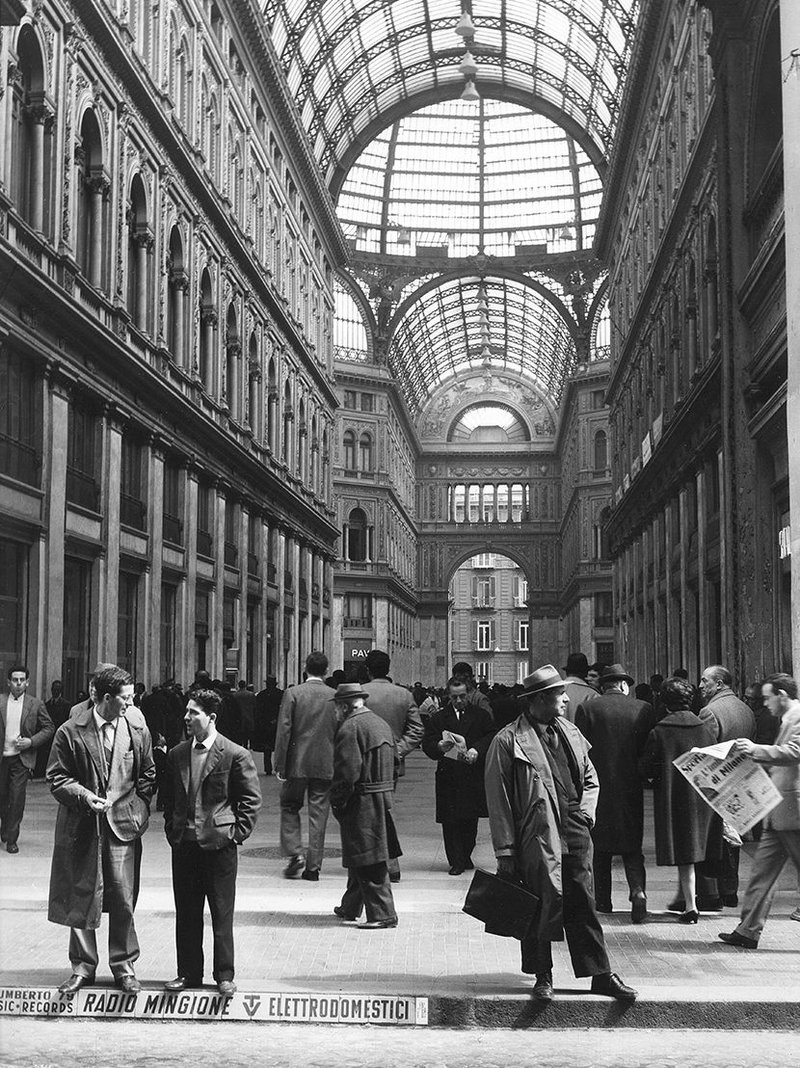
[(559, 764)]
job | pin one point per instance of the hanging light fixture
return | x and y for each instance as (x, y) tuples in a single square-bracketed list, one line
[(469, 92), (468, 66), (464, 26)]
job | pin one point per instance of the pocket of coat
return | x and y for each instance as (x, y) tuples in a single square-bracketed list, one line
[(222, 819), (539, 816)]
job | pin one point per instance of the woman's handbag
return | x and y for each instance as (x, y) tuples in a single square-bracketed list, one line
[(506, 906)]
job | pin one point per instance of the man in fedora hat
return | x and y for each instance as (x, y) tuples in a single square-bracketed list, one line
[(541, 790), (579, 692), (616, 726), (361, 800)]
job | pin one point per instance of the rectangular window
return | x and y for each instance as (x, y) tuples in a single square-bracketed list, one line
[(13, 602), (83, 487), (483, 560), (127, 621), (253, 545), (523, 634), (350, 399), (173, 506), (201, 616), (77, 618), (597, 397), (484, 635), (358, 610), (522, 670), (367, 402), (483, 671), (229, 621), (205, 529), (483, 591), (231, 533), (20, 419), (133, 511), (169, 601), (520, 591), (604, 610)]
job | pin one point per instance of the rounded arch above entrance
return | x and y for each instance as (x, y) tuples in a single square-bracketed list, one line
[(480, 549), (489, 423), (456, 396)]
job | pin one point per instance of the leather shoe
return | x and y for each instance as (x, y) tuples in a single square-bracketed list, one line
[(543, 987), (226, 987), (709, 904), (311, 875), (730, 901), (339, 911), (692, 916), (455, 870), (605, 908), (294, 867), (74, 983), (12, 847), (639, 907), (377, 925), (174, 986), (736, 939), (128, 983), (611, 986)]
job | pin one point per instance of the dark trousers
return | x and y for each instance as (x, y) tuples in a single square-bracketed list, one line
[(369, 887), (634, 873), (121, 864), (587, 947), (459, 841), (13, 786), (200, 875)]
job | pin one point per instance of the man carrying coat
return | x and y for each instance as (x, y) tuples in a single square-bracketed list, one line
[(542, 792), (361, 800), (102, 774), (211, 799)]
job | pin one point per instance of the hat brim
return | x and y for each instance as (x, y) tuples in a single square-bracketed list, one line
[(541, 689), (617, 678), (347, 696)]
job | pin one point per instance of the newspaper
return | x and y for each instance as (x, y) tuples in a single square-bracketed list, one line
[(459, 749), (735, 786)]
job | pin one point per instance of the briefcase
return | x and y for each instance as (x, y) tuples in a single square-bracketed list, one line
[(506, 906)]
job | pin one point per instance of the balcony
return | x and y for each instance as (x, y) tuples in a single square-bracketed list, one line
[(172, 529), (205, 543), (132, 511), (357, 623), (82, 490), (19, 461)]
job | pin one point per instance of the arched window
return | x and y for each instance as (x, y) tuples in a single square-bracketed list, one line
[(323, 489), (140, 244), (349, 450), (31, 137), (600, 451), (254, 389), (301, 460), (288, 417), (365, 459), (313, 474), (208, 330), (272, 407), (177, 284), (233, 360), (357, 536), (213, 152), (93, 186)]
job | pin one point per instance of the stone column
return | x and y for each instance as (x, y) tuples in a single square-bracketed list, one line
[(51, 577), (245, 669), (41, 115), (280, 653), (187, 666), (703, 643), (112, 474), (790, 43), (99, 186), (143, 242), (180, 283), (293, 558), (155, 509), (216, 656)]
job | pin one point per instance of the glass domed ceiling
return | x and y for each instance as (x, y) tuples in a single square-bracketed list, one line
[(456, 178)]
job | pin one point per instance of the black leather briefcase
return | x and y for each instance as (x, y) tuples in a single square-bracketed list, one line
[(506, 906)]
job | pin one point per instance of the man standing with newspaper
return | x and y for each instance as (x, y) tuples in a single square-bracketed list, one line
[(781, 838)]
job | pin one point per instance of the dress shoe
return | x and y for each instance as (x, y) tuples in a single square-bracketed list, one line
[(339, 911), (12, 847), (692, 916), (469, 866), (294, 867), (611, 986), (394, 876), (226, 987), (174, 986), (455, 870), (709, 904), (377, 925), (605, 908), (730, 901), (311, 875), (128, 983), (543, 987), (74, 983), (796, 914), (639, 907), (736, 939)]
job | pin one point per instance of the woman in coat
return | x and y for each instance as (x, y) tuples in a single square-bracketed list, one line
[(460, 794), (682, 817)]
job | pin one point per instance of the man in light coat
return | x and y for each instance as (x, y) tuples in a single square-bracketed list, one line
[(25, 725), (101, 772), (542, 792), (396, 706), (780, 841), (616, 726), (304, 763)]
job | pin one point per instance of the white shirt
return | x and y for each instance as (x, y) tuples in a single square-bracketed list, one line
[(13, 724), (198, 755)]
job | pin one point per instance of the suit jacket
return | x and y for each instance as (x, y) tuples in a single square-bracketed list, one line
[(35, 723), (306, 727), (76, 768), (734, 718), (783, 764), (459, 786), (397, 707), (580, 694), (228, 795)]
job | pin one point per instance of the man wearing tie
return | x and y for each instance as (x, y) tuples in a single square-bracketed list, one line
[(25, 726), (101, 772), (211, 799)]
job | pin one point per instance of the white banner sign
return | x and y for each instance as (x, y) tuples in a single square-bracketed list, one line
[(735, 786), (209, 1005)]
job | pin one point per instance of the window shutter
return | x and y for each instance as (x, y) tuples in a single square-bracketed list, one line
[(492, 633)]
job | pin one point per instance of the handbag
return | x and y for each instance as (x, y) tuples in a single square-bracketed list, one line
[(508, 908)]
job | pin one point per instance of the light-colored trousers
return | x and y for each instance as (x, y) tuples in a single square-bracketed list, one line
[(774, 849), (293, 796)]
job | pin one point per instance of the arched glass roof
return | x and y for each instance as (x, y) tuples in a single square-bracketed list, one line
[(352, 64), (449, 330), (464, 178), (489, 423)]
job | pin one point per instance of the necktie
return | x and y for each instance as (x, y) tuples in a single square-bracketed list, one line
[(551, 736), (108, 741)]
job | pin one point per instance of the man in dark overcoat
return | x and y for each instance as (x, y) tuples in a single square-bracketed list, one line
[(460, 794), (542, 791), (101, 772), (616, 726), (361, 800)]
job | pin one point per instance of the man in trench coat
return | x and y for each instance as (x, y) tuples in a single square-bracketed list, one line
[(542, 793), (361, 800), (102, 774)]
